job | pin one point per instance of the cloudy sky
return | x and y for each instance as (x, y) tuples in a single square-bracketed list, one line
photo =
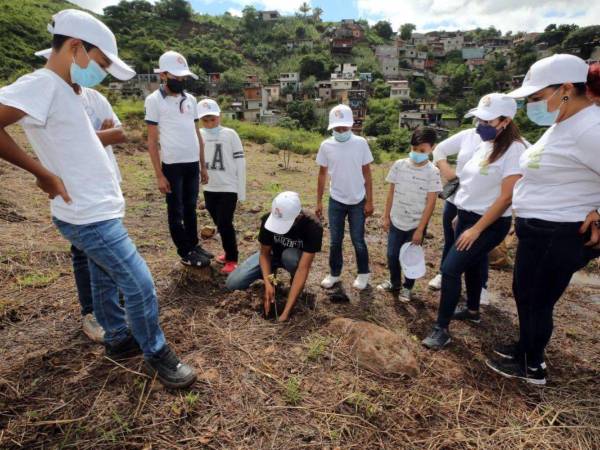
[(515, 15)]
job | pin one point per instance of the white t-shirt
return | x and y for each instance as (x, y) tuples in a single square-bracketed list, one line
[(481, 182), (62, 137), (225, 162), (344, 162), (176, 117), (98, 110), (411, 186), (561, 171), (463, 144)]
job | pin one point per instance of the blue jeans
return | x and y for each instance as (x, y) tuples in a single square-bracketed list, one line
[(115, 265), (448, 216), (81, 273), (468, 262), (397, 238), (249, 271), (337, 221)]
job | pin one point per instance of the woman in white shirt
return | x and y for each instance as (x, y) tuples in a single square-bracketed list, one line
[(484, 213), (556, 203)]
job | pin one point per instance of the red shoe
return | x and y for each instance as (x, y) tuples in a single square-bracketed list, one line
[(229, 267), (221, 259)]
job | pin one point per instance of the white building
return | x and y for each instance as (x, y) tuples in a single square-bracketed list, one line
[(289, 79), (399, 89), (452, 43)]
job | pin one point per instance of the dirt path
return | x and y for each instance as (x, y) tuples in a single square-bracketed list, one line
[(263, 385)]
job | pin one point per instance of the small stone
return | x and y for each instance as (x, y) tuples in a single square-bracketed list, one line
[(256, 209), (207, 232)]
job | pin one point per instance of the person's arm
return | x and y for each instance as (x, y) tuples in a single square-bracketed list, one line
[(387, 220), (592, 222), (322, 178), (447, 172), (163, 183), (265, 268), (11, 152), (366, 170), (443, 150), (298, 283), (110, 134), (417, 238), (494, 212), (203, 170), (240, 167)]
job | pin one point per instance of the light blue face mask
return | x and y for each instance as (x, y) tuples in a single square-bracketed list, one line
[(88, 77), (418, 158), (214, 130), (538, 112), (342, 137)]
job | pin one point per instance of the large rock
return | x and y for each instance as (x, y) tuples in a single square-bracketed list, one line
[(376, 348)]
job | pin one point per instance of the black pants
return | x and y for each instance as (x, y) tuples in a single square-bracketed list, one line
[(184, 179), (221, 207), (469, 262), (548, 254)]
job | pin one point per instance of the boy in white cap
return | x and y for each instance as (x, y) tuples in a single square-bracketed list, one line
[(73, 160), (346, 158), (226, 178), (289, 238), (172, 119)]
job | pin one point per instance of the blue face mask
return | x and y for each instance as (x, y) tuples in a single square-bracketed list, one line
[(418, 158), (486, 132), (538, 113), (214, 130), (89, 77), (342, 137)]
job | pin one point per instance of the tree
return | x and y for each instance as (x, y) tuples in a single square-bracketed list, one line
[(309, 86), (406, 31), (250, 18), (304, 112), (418, 88), (381, 89), (315, 65), (304, 9), (317, 13), (383, 29), (173, 9)]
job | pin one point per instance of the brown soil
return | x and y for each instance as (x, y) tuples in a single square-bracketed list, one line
[(263, 385)]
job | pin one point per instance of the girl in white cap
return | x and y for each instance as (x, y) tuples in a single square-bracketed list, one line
[(346, 158), (484, 213), (226, 185), (557, 205)]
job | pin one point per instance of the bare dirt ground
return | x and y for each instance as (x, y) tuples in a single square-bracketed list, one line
[(263, 385)]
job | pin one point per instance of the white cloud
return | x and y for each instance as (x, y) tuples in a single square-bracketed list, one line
[(515, 15), (95, 5), (235, 12)]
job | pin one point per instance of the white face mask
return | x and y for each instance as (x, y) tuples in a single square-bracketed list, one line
[(342, 137)]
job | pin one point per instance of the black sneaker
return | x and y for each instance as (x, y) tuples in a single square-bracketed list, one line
[(202, 251), (511, 352), (127, 348), (195, 259), (438, 338), (169, 369), (513, 369), (463, 313)]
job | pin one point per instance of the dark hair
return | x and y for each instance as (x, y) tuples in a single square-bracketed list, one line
[(593, 80), (504, 140), (58, 41), (423, 135)]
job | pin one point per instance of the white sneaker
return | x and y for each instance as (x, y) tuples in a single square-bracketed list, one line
[(485, 297), (92, 329), (362, 281), (405, 295), (329, 281), (436, 283)]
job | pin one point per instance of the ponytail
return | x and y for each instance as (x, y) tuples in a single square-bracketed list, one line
[(593, 80)]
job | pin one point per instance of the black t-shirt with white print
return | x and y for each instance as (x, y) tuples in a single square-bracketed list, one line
[(306, 234)]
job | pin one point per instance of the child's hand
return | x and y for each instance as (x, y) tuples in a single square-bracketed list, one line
[(386, 224), (203, 175), (467, 239), (107, 124), (369, 209), (417, 237)]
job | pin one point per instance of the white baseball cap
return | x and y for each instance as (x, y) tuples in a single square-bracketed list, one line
[(175, 64), (340, 116), (84, 26), (555, 69), (208, 107), (412, 260), (494, 105), (284, 210)]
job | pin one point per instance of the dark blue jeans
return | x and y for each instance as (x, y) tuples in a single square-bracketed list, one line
[(448, 216), (468, 262), (81, 271), (337, 221), (184, 179), (249, 271), (548, 254), (397, 238)]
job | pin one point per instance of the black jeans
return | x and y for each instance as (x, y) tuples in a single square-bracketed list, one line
[(184, 179), (548, 254), (396, 239), (221, 207), (469, 262)]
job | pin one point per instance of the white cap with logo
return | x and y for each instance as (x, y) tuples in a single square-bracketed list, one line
[(175, 64), (81, 25), (494, 105), (208, 107), (284, 210), (412, 260), (555, 69), (340, 116)]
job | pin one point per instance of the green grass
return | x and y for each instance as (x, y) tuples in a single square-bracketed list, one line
[(292, 394), (317, 345), (37, 280)]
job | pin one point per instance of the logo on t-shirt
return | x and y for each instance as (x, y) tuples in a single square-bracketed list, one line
[(534, 157), (287, 242), (217, 161)]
